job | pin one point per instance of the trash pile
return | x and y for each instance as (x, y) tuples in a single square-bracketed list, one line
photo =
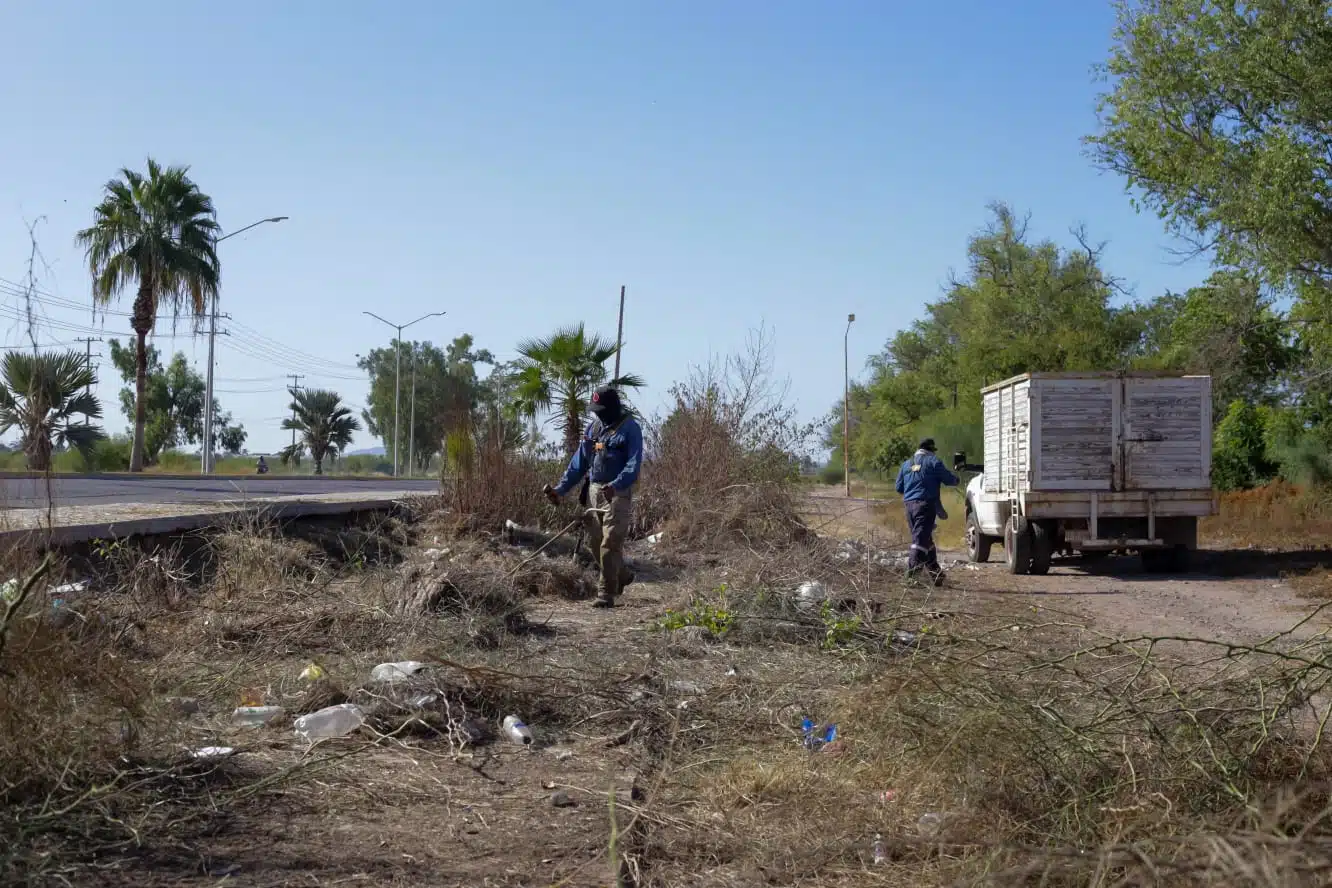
[(857, 552), (394, 695)]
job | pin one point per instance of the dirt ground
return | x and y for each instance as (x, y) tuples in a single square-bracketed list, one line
[(1243, 595)]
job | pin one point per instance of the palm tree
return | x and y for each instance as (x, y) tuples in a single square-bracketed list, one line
[(325, 424), (40, 395), (560, 372), (159, 233)]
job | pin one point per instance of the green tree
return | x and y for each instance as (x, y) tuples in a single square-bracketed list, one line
[(1229, 330), (173, 401), (324, 424), (157, 232), (1022, 306), (1240, 451), (447, 394), (559, 372), (1217, 115), (40, 396)]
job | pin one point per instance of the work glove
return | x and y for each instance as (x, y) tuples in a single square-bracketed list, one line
[(607, 492), (551, 495)]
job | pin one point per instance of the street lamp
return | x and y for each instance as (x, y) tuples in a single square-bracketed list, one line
[(206, 459), (846, 404), (397, 376)]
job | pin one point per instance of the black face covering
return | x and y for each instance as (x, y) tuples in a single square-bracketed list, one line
[(606, 405)]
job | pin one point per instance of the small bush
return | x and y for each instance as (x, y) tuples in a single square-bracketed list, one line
[(722, 465), (832, 474), (497, 485)]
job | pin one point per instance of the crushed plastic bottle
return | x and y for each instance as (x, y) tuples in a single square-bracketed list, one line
[(331, 721), (810, 596), (880, 852), (816, 736), (928, 824), (391, 673), (516, 731), (255, 716)]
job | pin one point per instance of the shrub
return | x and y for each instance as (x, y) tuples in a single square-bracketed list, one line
[(722, 464)]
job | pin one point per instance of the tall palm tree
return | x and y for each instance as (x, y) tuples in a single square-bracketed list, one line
[(325, 425), (560, 372), (157, 232), (40, 395)]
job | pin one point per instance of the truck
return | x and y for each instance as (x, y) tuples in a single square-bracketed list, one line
[(1089, 464)]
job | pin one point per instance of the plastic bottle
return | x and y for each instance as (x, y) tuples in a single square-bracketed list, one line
[(928, 824), (254, 716), (331, 721), (880, 852), (516, 731), (392, 673)]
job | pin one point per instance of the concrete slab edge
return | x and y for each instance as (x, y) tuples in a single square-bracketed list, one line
[(161, 524)]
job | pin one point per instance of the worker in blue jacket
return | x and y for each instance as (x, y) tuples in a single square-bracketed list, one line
[(610, 455), (919, 481)]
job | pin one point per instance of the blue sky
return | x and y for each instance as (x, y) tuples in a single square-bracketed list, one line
[(513, 163)]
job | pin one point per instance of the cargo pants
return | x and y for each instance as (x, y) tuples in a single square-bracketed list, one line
[(921, 516), (606, 533)]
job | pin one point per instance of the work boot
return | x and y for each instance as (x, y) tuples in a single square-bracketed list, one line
[(603, 600)]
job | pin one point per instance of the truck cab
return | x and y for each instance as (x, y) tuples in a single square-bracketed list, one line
[(1091, 463)]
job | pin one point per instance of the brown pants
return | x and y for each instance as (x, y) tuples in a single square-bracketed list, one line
[(606, 532)]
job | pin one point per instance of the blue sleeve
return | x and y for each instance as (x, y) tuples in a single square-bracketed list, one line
[(633, 444), (578, 466), (941, 472), (900, 488)]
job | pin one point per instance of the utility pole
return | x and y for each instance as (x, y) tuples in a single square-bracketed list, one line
[(295, 387), (411, 426), (88, 341), (619, 334), (397, 377), (846, 404), (206, 458)]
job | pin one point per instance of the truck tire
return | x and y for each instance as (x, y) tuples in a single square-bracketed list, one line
[(978, 544), (1017, 547), (1042, 548)]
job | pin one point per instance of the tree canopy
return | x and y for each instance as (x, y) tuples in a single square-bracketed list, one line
[(1026, 306), (173, 403), (1217, 115), (448, 393)]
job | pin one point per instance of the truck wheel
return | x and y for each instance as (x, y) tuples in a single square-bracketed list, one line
[(1042, 548), (1017, 548), (978, 544)]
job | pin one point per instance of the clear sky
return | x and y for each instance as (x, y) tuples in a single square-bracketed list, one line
[(513, 163)]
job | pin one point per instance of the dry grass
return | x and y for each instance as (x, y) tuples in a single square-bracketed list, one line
[(1279, 516), (103, 696), (1052, 756)]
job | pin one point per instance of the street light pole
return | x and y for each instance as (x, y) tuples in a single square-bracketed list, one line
[(206, 460), (411, 425), (846, 404), (397, 378)]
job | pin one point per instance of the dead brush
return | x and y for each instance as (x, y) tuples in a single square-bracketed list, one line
[(1106, 763), (491, 486), (483, 589), (1278, 515)]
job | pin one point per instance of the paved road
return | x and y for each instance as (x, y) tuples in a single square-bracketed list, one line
[(27, 493)]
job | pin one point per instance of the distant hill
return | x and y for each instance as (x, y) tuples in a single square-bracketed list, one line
[(369, 451)]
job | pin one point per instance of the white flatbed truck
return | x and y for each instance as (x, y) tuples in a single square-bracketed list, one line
[(1092, 463)]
